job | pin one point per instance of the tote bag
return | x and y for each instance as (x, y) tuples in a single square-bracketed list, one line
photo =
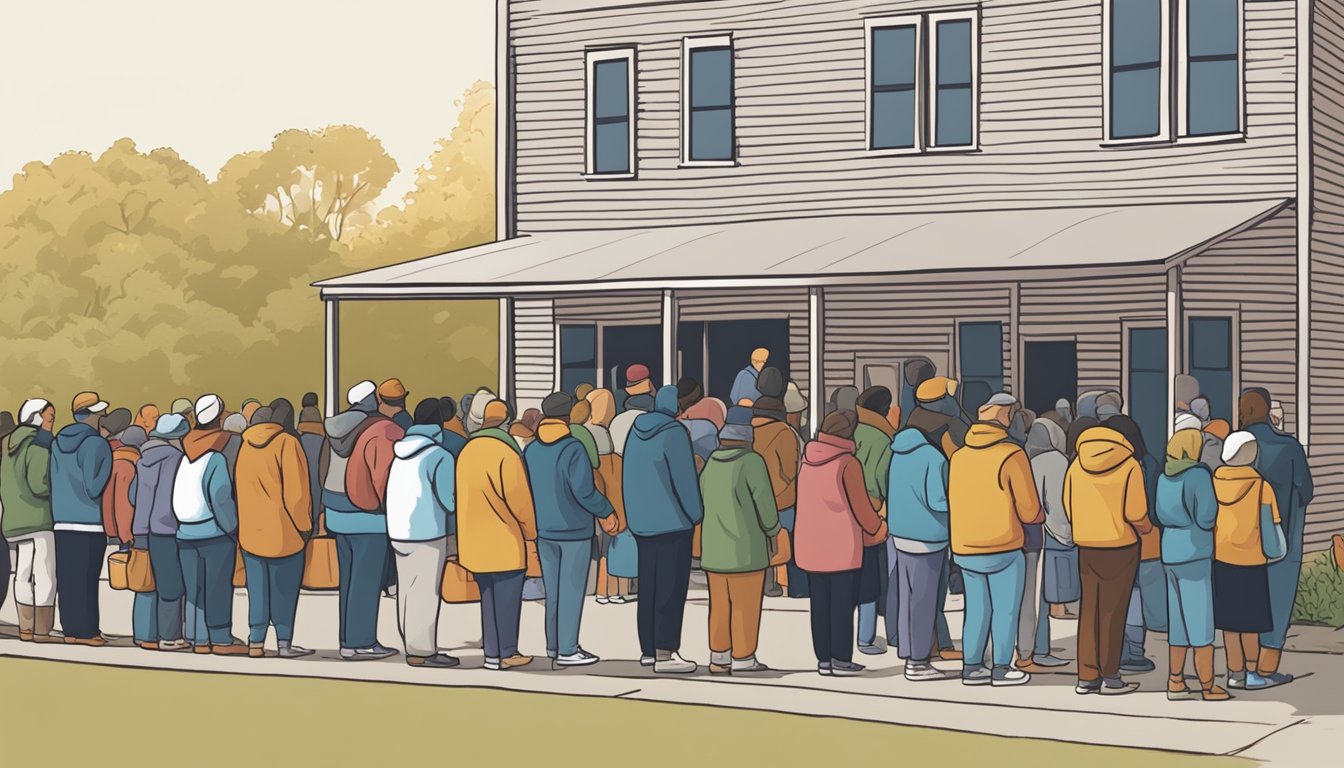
[(139, 573), (623, 556), (116, 570)]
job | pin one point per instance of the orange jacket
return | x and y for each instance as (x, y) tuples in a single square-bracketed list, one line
[(275, 504), (990, 493), (777, 443), (118, 510), (495, 515), (1104, 495)]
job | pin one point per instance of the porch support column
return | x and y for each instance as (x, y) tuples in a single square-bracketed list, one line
[(671, 318), (816, 386), (1173, 342), (506, 349), (333, 353), (1015, 341)]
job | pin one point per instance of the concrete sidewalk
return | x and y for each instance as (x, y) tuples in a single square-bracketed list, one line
[(1299, 724)]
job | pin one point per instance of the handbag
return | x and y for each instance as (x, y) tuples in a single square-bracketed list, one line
[(623, 556), (116, 570), (458, 585), (139, 572), (1272, 541), (780, 548), (321, 569)]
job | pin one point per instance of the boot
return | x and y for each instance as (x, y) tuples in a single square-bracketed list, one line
[(25, 622), (44, 618)]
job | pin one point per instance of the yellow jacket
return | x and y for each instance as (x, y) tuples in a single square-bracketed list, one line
[(495, 516), (1104, 495), (991, 493), (1241, 492), (275, 505)]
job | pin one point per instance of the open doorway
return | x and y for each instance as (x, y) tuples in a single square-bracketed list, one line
[(1051, 371), (626, 345), (730, 343)]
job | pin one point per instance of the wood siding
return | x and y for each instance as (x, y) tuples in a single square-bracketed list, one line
[(533, 351), (1327, 276), (801, 89)]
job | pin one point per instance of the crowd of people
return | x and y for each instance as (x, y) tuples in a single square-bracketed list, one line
[(890, 503)]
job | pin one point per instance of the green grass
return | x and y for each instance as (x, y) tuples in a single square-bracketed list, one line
[(71, 714), (1320, 592)]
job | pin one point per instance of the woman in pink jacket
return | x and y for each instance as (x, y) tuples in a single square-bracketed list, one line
[(835, 520)]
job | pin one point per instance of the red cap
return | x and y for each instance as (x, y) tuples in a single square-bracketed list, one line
[(635, 373)]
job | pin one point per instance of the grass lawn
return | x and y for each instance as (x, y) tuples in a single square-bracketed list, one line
[(55, 713)]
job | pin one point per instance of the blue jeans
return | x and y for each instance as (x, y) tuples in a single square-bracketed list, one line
[(168, 587), (994, 586), (272, 595), (1190, 599), (362, 561), (867, 624), (564, 571), (501, 611), (207, 569)]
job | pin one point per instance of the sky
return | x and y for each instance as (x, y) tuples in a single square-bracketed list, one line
[(214, 79)]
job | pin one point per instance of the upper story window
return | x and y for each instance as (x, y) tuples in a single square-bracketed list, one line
[(1140, 75), (708, 135), (611, 122), (923, 74)]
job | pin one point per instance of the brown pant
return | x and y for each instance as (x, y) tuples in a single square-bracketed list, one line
[(735, 612), (1107, 578)]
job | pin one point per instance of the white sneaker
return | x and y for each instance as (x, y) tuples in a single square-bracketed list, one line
[(492, 664), (674, 666), (917, 672), (580, 658), (603, 599), (647, 661), (1002, 676)]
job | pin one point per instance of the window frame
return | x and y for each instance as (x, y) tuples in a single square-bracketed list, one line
[(1183, 79), (1164, 134), (689, 44), (869, 27), (592, 58), (931, 80)]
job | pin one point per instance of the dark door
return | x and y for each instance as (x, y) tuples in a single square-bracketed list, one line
[(1148, 384), (731, 343), (1051, 369), (626, 345), (691, 351)]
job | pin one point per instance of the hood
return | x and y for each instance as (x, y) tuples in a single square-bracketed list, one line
[(126, 453), (666, 401), (984, 435), (157, 451), (73, 436), (18, 438), (343, 431), (826, 449), (729, 454), (876, 421), (649, 424), (1101, 449), (1232, 484), (417, 439), (261, 435), (908, 441), (552, 431), (641, 402), (199, 442), (1045, 436)]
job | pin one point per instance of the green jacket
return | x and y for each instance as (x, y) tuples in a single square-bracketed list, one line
[(740, 512), (25, 486), (873, 448)]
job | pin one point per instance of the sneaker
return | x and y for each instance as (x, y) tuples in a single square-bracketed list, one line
[(773, 590), (1006, 676), (292, 651), (1085, 687), (846, 668), (174, 645), (976, 676), (1236, 679), (1256, 682), (230, 649), (1137, 664), (872, 650), (256, 650), (674, 666), (824, 668), (579, 658), (379, 647), (437, 661), (748, 665), (492, 664), (919, 672), (372, 653), (1049, 661), (1117, 687), (1184, 693), (515, 661), (647, 661), (620, 599), (603, 600)]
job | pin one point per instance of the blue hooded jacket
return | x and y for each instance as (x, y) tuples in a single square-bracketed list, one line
[(81, 463), (660, 487), (1187, 508), (917, 490), (1283, 463), (152, 489), (563, 492)]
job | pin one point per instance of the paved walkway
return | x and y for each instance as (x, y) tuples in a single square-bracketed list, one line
[(1299, 724)]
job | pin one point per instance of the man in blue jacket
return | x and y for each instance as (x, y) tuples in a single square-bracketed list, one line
[(81, 464), (663, 506), (567, 502)]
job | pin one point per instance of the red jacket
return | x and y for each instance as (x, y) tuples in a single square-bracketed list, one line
[(835, 517), (370, 462), (118, 511)]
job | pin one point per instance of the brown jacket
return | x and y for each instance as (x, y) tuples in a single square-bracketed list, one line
[(118, 509), (777, 443), (274, 498)]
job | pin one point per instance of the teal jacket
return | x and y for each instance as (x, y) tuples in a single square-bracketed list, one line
[(917, 506), (1186, 509)]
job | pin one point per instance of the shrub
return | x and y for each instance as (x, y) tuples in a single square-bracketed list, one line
[(1320, 592)]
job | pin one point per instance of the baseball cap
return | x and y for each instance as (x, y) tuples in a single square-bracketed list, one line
[(360, 392), (88, 401)]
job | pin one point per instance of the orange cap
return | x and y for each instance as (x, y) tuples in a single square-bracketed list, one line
[(392, 389)]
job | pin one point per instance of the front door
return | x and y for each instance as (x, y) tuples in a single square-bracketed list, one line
[(1051, 369), (1147, 384), (730, 343)]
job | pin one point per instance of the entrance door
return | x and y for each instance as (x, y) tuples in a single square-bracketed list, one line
[(1051, 369), (890, 373), (1147, 380), (731, 343), (626, 345)]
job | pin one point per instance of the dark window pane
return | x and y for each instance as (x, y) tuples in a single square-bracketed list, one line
[(1147, 349), (712, 134), (1213, 100), (1211, 361), (894, 56), (1212, 27), (894, 119), (1148, 384), (1136, 32), (578, 356), (611, 93), (1136, 57), (981, 362), (612, 151), (1136, 97), (711, 77), (954, 52), (954, 117)]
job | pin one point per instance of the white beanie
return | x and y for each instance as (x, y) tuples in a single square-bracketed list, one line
[(360, 392), (208, 408), (31, 413), (1188, 421), (1239, 449)]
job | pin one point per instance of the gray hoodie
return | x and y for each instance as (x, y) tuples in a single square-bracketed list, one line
[(343, 431), (152, 489), (1045, 446)]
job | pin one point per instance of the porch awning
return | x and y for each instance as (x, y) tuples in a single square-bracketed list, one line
[(812, 251)]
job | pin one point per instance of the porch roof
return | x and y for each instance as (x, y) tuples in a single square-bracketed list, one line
[(811, 251)]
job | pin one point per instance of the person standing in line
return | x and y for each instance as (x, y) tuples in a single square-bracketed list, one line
[(81, 465), (312, 437), (1107, 504), (155, 526), (704, 433), (637, 400), (275, 520), (872, 441), (1187, 508), (740, 525), (991, 496), (779, 445), (602, 409), (1148, 600), (1055, 576), (119, 524), (25, 493), (663, 506), (566, 503), (495, 520), (392, 403), (210, 435), (207, 528), (836, 520), (147, 417), (917, 515), (744, 391), (7, 427), (454, 433), (421, 499)]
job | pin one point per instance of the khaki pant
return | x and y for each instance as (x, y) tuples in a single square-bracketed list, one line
[(735, 612), (1106, 577)]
